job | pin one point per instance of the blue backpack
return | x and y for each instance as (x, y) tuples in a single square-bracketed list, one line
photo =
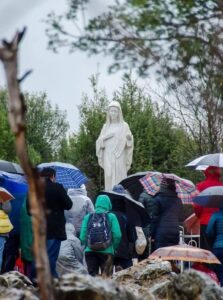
[(99, 236)]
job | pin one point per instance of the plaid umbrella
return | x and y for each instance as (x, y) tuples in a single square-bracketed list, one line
[(185, 189), (66, 174), (185, 252)]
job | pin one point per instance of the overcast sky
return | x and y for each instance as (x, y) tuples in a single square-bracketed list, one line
[(63, 76)]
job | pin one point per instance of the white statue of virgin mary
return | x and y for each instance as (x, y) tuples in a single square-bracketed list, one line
[(114, 146)]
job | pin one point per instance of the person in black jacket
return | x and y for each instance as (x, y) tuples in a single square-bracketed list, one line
[(57, 201), (167, 209), (125, 252)]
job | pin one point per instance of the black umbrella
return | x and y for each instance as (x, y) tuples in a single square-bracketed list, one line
[(135, 211), (133, 185), (10, 167)]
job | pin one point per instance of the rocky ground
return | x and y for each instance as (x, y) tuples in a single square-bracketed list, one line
[(148, 280)]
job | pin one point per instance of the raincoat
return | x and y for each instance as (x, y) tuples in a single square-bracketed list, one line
[(82, 205), (70, 257), (212, 175), (102, 205)]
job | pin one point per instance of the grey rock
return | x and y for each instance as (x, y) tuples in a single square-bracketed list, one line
[(82, 287), (15, 294), (15, 279), (193, 285), (160, 289)]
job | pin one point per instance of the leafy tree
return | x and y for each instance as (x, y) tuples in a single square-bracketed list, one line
[(181, 38), (7, 149), (159, 143), (46, 128)]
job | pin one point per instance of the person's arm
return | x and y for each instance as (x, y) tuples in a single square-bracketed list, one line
[(116, 231), (198, 210), (83, 232), (65, 199), (210, 231)]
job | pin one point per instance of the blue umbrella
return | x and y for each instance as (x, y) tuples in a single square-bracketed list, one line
[(210, 197), (66, 174)]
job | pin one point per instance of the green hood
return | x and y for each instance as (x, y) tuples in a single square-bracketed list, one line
[(103, 203)]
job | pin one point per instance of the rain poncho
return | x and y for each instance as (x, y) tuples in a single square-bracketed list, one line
[(70, 257), (82, 205)]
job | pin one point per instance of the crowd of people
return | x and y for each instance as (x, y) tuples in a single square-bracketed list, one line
[(100, 239)]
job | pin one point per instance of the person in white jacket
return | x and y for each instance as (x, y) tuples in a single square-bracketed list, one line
[(70, 259), (82, 205)]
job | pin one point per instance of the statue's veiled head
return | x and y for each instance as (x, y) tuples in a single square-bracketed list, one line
[(114, 113)]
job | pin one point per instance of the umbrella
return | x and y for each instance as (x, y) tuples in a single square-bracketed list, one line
[(132, 184), (66, 174), (135, 211), (192, 224), (215, 160), (5, 195), (185, 189), (185, 252), (10, 167), (210, 197)]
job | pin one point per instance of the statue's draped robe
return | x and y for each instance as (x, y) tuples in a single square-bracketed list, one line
[(115, 153)]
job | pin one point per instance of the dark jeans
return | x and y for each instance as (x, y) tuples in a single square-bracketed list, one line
[(123, 262), (10, 253), (96, 261), (53, 248), (218, 252)]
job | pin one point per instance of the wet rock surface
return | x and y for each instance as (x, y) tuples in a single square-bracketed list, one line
[(148, 280), (146, 277), (193, 285), (82, 287)]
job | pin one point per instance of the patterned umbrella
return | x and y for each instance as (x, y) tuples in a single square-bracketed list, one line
[(185, 252), (185, 189), (5, 195), (215, 160), (66, 174)]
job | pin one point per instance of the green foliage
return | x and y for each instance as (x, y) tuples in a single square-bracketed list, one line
[(46, 128), (7, 149), (158, 143)]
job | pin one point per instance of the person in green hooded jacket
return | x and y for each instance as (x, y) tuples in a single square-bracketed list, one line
[(101, 259)]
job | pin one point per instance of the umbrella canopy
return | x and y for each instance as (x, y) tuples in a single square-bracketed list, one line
[(132, 184), (215, 160), (5, 195), (185, 189), (210, 197), (185, 252), (10, 167), (66, 174), (135, 211), (192, 224)]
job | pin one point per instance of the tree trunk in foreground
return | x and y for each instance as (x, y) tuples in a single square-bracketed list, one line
[(16, 114)]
